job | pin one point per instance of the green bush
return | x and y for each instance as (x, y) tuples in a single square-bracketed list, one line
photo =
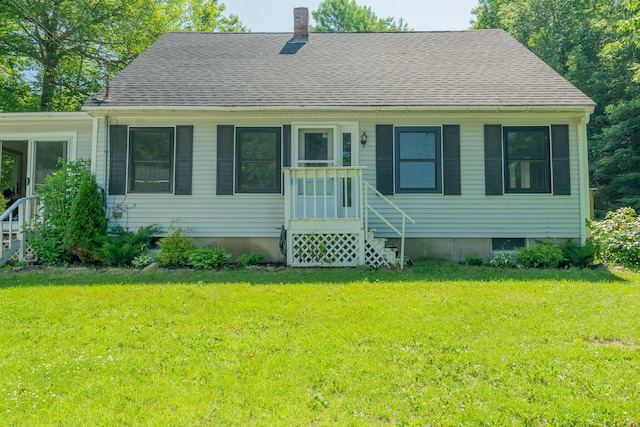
[(175, 248), (504, 260), (544, 255), (577, 255), (207, 259), (142, 260), (87, 224), (56, 194), (122, 247), (250, 259), (617, 237)]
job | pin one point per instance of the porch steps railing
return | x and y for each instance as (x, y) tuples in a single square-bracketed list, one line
[(400, 232), (15, 223), (326, 220)]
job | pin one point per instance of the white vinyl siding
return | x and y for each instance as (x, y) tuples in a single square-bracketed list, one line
[(469, 215)]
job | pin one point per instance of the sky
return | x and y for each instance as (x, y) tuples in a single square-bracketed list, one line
[(420, 15)]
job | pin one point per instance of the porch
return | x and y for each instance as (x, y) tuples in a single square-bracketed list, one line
[(326, 220), (16, 222)]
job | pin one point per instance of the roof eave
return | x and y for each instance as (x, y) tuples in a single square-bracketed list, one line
[(589, 108)]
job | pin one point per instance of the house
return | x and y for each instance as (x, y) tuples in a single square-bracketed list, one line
[(442, 144)]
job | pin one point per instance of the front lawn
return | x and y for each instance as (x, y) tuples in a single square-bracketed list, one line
[(436, 344)]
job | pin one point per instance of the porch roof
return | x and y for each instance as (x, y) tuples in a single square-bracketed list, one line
[(481, 68)]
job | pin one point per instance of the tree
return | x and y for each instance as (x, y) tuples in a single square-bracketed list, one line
[(346, 16), (87, 225), (616, 148), (60, 49)]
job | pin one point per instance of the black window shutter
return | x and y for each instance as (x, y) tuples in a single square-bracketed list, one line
[(224, 174), (493, 160), (184, 159), (118, 159), (451, 158), (560, 159), (384, 158), (286, 146)]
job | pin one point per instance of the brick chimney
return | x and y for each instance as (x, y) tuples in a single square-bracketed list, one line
[(301, 24)]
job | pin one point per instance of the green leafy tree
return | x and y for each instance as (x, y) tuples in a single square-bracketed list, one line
[(56, 52), (348, 17), (87, 225)]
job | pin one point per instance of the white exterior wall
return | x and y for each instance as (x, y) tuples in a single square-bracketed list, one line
[(474, 214), (470, 215)]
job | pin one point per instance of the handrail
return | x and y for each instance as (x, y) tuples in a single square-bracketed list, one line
[(24, 209), (405, 217)]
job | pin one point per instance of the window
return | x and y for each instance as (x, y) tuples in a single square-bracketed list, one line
[(507, 244), (258, 160), (527, 164), (417, 159), (151, 160), (315, 148)]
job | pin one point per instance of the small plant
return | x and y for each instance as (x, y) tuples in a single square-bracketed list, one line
[(175, 249), (617, 237), (122, 247), (578, 256), (142, 260), (250, 259), (473, 260), (504, 260), (544, 255), (207, 259)]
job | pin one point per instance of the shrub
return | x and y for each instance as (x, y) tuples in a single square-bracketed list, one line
[(122, 247), (504, 260), (617, 237), (577, 255), (56, 199), (87, 224), (175, 248), (142, 260), (207, 259), (544, 255), (250, 259)]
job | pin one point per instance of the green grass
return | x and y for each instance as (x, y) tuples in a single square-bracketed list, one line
[(437, 344)]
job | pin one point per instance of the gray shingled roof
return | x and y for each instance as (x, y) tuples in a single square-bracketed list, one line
[(464, 68)]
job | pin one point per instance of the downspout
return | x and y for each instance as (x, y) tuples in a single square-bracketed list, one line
[(94, 145), (583, 173), (106, 152)]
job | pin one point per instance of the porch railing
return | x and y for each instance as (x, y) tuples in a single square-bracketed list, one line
[(323, 193), (401, 233), (16, 222)]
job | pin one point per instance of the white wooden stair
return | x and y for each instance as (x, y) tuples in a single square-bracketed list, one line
[(377, 254)]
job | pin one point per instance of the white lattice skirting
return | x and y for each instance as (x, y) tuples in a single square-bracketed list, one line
[(325, 249), (339, 250)]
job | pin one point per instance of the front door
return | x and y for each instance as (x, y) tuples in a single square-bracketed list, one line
[(324, 193), (45, 159)]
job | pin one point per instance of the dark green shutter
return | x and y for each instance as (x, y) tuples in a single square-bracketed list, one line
[(560, 159), (118, 159), (384, 158), (224, 174), (286, 146), (493, 160), (451, 158), (184, 159)]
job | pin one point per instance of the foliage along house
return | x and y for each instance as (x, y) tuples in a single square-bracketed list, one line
[(463, 142)]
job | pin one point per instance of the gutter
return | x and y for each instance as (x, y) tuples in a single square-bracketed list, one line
[(491, 109)]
